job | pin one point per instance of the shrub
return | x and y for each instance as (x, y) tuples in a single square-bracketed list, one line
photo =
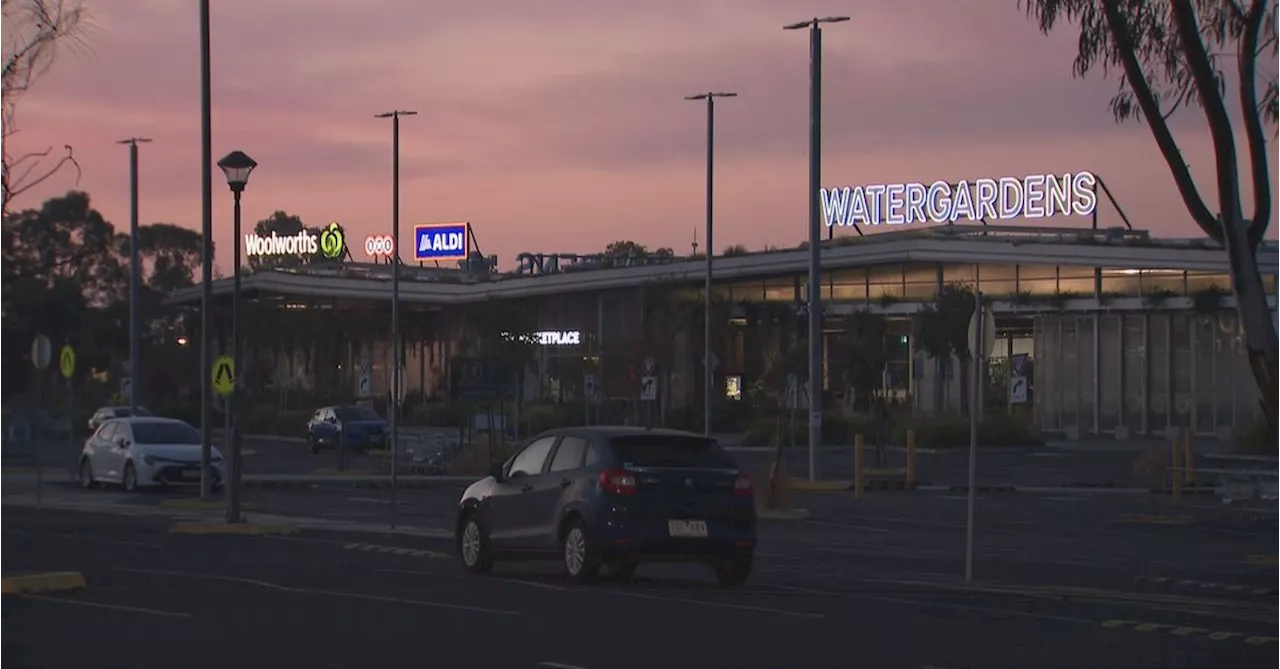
[(1257, 439), (952, 432), (835, 430), (475, 459)]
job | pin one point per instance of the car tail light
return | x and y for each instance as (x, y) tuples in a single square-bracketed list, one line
[(742, 486), (618, 482)]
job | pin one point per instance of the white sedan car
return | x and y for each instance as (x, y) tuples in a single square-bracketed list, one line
[(141, 452)]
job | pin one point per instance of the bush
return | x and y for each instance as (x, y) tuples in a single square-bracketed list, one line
[(475, 459), (270, 419), (543, 416), (835, 429), (726, 416), (1257, 439), (439, 415), (951, 432)]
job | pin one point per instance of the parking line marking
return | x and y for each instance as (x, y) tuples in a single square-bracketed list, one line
[(1206, 585), (558, 665), (796, 588), (114, 607), (1182, 631), (331, 593)]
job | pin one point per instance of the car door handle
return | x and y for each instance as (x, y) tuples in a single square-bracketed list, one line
[(526, 488), (565, 483)]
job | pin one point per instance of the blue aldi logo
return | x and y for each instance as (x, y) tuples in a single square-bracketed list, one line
[(440, 241)]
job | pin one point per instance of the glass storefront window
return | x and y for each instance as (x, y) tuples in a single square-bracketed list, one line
[(957, 274), (849, 285), (1198, 281), (1153, 280), (780, 289), (1121, 282), (1075, 279)]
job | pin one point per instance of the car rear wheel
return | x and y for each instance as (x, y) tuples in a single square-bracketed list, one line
[(130, 479), (581, 560), (735, 570), (472, 547), (86, 474)]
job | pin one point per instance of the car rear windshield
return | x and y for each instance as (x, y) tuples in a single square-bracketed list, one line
[(165, 433), (359, 413), (670, 451)]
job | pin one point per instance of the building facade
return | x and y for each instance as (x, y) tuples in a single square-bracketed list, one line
[(1114, 331)]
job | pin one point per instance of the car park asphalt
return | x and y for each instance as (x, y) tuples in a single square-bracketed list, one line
[(1060, 581)]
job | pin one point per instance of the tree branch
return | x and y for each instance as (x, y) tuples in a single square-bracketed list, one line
[(1215, 110), (1118, 26), (1258, 163)]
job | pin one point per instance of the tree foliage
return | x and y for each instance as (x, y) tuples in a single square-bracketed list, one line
[(34, 30), (66, 275), (860, 355), (1173, 54)]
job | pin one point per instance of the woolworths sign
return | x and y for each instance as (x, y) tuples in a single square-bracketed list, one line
[(328, 242)]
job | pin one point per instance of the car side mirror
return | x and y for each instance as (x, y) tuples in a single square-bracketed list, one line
[(122, 442), (495, 470)]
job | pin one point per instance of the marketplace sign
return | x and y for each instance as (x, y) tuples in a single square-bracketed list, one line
[(1034, 196), (328, 242)]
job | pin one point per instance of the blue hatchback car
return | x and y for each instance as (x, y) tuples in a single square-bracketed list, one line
[(612, 498), (364, 428)]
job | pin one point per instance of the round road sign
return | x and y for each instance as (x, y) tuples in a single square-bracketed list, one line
[(224, 375), (41, 352)]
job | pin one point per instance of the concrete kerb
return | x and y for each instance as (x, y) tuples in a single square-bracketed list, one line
[(350, 480), (199, 504), (58, 581)]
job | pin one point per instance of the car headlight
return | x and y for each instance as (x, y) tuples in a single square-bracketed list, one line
[(150, 459), (217, 459)]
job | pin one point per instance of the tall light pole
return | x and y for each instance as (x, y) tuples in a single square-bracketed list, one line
[(206, 265), (815, 233), (135, 306), (397, 351), (708, 377), (236, 166)]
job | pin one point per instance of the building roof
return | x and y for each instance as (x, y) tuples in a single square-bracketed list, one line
[(1114, 248)]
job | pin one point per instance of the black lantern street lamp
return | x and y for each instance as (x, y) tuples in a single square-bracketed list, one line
[(236, 166)]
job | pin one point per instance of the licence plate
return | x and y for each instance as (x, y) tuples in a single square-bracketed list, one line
[(687, 528)]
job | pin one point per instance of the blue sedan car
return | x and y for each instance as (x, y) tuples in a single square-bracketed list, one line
[(364, 428), (612, 497)]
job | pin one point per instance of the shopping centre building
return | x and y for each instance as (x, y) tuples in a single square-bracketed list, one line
[(1112, 331)]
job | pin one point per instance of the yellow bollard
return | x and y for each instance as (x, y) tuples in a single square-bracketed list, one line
[(1175, 474), (1189, 457), (911, 458), (857, 465)]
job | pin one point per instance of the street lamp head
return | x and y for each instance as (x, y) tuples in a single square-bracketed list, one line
[(814, 22), (236, 166), (706, 96)]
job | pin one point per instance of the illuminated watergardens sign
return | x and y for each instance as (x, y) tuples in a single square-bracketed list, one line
[(1034, 196), (327, 242)]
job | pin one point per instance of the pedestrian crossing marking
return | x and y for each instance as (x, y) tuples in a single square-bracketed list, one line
[(394, 550), (1206, 585)]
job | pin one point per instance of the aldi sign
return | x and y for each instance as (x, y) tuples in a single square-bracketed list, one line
[(440, 241)]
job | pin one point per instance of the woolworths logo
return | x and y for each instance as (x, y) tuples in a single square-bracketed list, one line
[(329, 242)]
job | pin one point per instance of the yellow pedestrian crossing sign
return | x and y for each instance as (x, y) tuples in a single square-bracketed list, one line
[(224, 375), (67, 361)]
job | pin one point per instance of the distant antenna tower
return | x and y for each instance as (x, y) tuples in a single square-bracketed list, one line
[(695, 241)]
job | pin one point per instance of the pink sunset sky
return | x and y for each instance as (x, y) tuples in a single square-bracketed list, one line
[(560, 126)]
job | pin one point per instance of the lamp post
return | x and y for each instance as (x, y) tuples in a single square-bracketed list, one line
[(815, 233), (397, 350), (236, 166), (135, 306), (206, 261), (708, 372)]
